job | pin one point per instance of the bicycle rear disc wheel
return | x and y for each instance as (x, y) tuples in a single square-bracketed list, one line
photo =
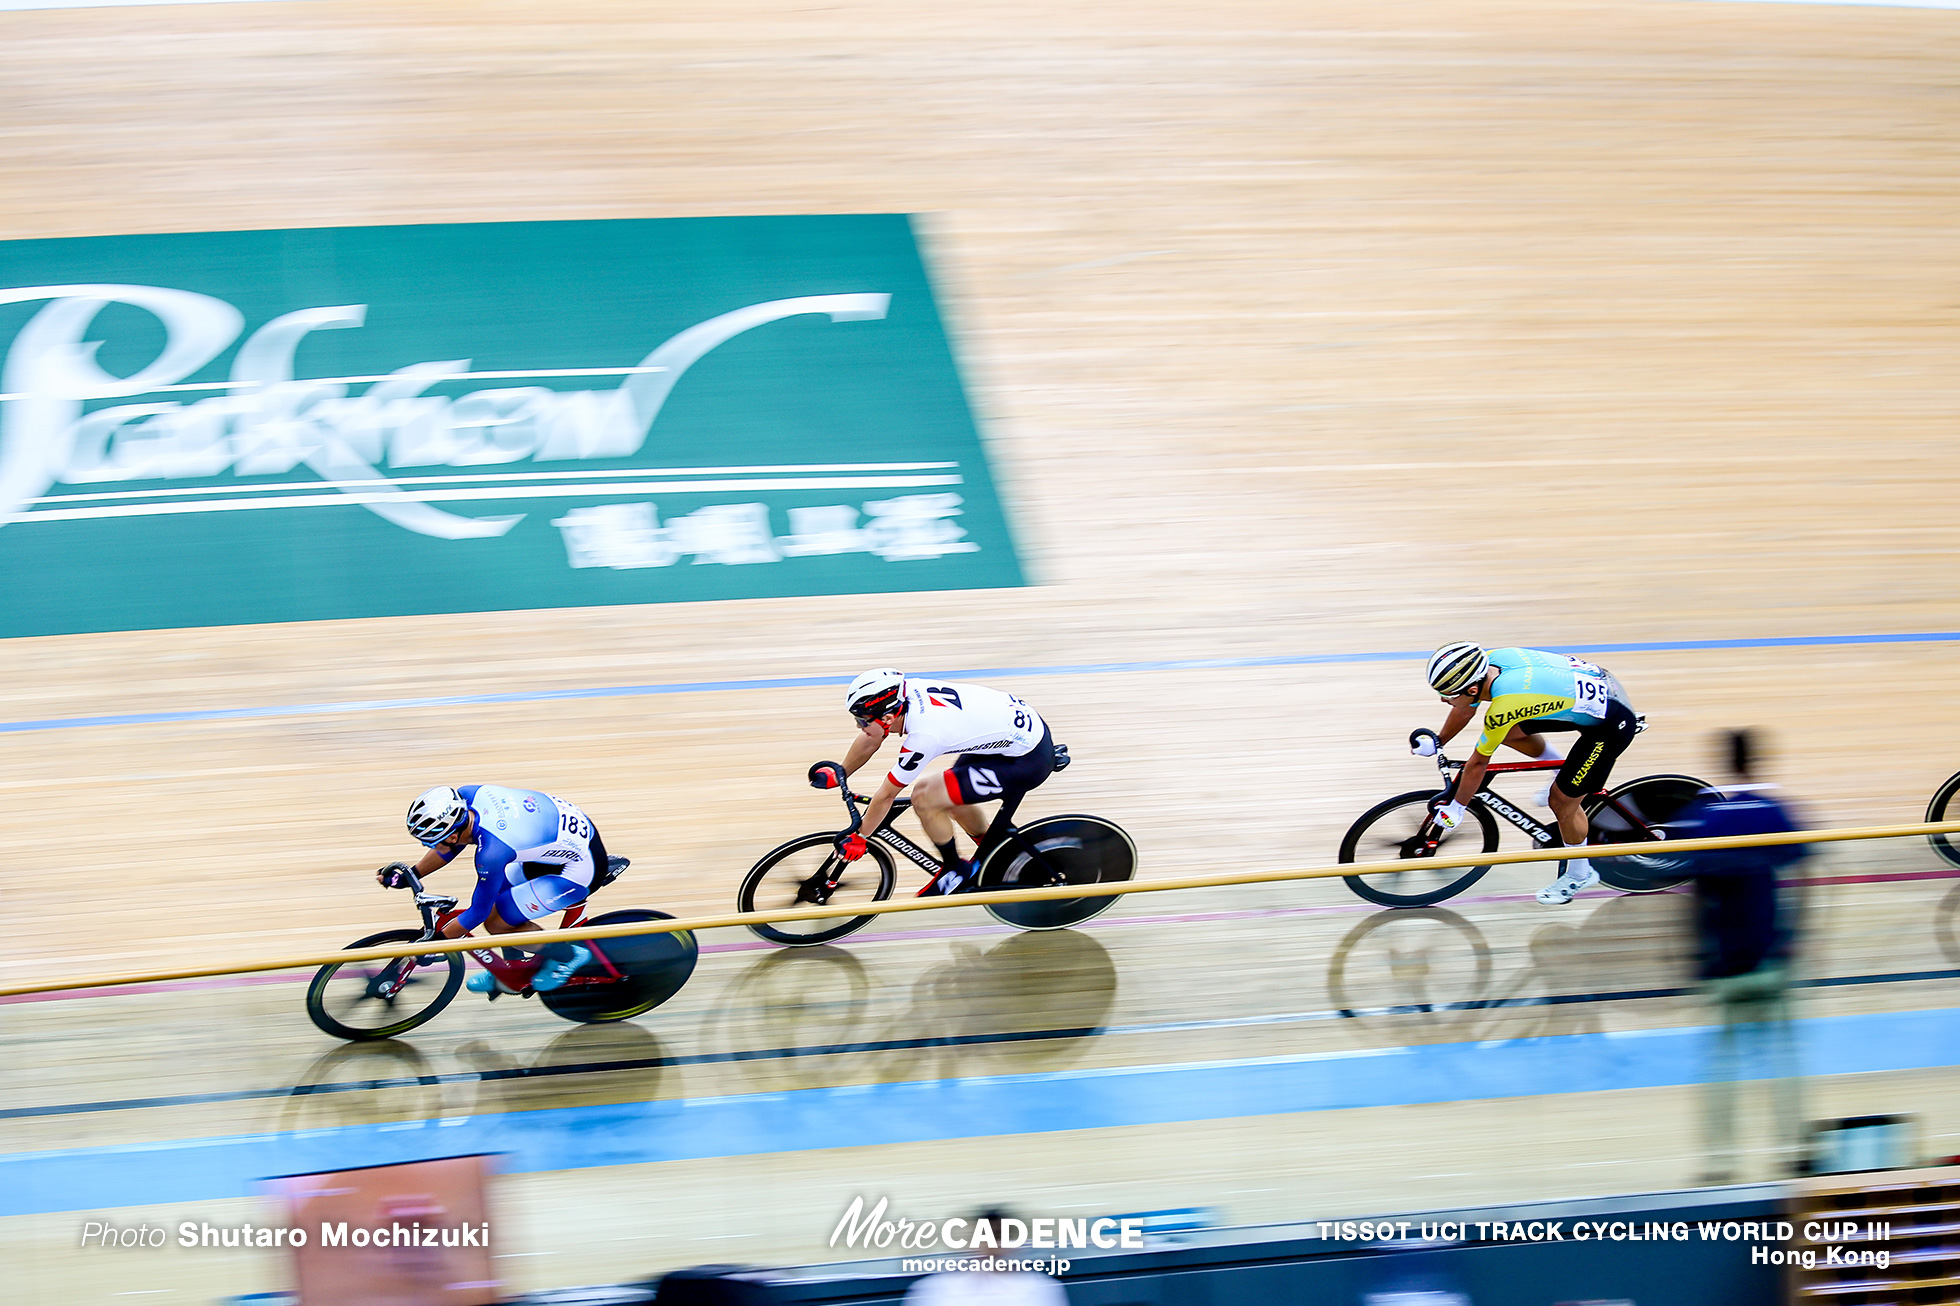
[(1079, 849), (349, 1000), (784, 879), (1393, 831), (1943, 808), (1653, 800), (655, 967)]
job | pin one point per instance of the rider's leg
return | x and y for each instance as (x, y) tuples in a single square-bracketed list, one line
[(973, 779), (1572, 827), (516, 912), (1532, 746), (972, 820), (937, 804), (1584, 771), (1539, 748), (1571, 813), (934, 804), (498, 925)]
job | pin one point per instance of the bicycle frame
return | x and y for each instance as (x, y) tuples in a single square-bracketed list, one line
[(898, 843), (439, 909), (1540, 835), (1000, 830)]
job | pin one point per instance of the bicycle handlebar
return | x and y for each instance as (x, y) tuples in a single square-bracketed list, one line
[(413, 881)]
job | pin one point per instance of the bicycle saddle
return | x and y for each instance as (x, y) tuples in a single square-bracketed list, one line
[(1062, 759)]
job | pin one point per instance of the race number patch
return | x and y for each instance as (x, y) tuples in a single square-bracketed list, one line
[(1589, 694)]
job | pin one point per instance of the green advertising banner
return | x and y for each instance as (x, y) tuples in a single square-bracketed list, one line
[(223, 428)]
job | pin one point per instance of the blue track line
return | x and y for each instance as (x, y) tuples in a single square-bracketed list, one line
[(989, 673), (873, 1115)]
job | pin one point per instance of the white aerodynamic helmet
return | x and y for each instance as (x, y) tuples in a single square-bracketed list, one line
[(436, 815), (1455, 667), (876, 692)]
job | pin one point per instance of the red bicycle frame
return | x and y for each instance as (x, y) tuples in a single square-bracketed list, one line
[(517, 974)]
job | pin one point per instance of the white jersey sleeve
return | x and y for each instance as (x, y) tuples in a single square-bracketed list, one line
[(948, 716)]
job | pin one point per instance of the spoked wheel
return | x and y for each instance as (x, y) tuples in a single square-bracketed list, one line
[(380, 999), (1653, 800), (1944, 808), (1394, 831), (807, 872), (654, 966), (1066, 850), (1425, 962)]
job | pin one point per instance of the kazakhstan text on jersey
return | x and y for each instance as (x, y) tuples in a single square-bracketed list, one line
[(1545, 688)]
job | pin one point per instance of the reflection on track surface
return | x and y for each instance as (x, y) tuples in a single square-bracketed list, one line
[(1246, 1002)]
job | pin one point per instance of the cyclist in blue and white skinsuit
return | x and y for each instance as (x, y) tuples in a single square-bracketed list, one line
[(535, 855)]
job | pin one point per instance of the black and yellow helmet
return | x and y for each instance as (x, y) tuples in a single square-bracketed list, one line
[(1454, 668)]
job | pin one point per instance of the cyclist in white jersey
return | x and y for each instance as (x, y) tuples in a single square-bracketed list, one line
[(1004, 749), (535, 854)]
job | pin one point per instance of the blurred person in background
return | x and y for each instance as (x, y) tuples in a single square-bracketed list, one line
[(987, 1286), (1746, 929)]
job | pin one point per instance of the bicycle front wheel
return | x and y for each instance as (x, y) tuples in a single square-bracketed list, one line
[(652, 969), (1943, 808), (1065, 850), (1426, 962), (1394, 831), (380, 999), (1651, 802), (797, 875)]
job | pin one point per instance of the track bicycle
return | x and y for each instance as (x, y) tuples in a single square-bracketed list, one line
[(1403, 828), (1944, 808), (626, 977), (808, 872)]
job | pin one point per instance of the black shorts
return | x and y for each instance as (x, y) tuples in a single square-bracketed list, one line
[(983, 777), (1590, 761)]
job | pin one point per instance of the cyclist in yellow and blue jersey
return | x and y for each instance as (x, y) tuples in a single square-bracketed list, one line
[(1531, 694)]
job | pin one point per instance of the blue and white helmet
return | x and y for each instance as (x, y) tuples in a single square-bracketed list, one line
[(436, 815)]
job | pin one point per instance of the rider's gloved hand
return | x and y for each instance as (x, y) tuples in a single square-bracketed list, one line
[(393, 876), (1422, 743), (850, 846), (1449, 815), (826, 775)]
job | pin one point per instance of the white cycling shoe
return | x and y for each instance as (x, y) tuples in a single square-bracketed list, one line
[(1567, 886)]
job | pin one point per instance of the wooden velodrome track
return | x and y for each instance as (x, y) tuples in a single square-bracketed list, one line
[(1295, 329)]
